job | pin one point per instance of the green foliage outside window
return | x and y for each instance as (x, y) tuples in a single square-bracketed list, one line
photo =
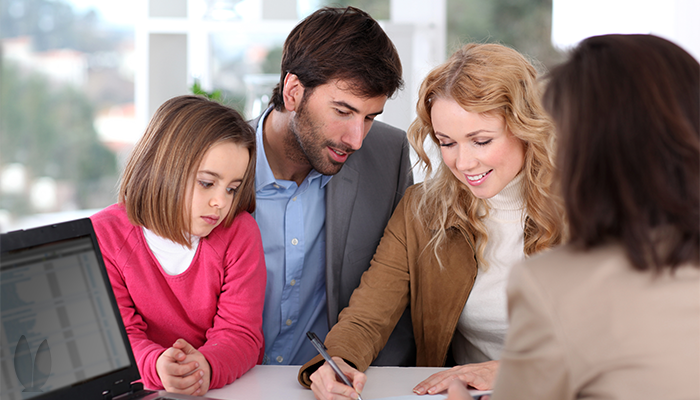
[(213, 95), (50, 131), (524, 25)]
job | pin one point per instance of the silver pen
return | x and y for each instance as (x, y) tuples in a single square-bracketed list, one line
[(322, 349)]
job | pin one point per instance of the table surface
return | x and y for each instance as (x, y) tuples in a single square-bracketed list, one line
[(280, 382)]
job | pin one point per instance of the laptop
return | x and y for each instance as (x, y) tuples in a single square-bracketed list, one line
[(62, 333)]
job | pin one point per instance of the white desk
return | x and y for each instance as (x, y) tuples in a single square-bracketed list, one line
[(274, 382)]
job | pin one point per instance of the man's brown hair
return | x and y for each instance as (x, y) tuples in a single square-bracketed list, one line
[(340, 44)]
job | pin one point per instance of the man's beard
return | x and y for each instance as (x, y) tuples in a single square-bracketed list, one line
[(305, 143)]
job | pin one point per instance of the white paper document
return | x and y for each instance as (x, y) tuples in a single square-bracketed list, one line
[(475, 394)]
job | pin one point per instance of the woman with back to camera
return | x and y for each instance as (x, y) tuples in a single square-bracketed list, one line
[(456, 235), (615, 314)]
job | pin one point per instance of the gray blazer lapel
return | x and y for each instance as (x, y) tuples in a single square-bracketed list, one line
[(340, 198)]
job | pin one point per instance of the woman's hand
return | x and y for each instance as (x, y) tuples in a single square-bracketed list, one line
[(326, 386), (183, 369), (479, 376), (457, 391)]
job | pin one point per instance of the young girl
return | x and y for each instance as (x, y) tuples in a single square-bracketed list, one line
[(183, 253)]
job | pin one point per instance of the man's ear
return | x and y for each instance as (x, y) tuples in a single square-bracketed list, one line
[(293, 92)]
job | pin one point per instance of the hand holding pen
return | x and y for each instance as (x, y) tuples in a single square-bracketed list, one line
[(325, 381)]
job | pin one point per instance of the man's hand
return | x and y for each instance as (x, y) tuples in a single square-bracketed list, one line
[(326, 386), (183, 369), (479, 376)]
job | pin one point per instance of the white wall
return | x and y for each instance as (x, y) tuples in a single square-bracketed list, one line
[(676, 20), (174, 48)]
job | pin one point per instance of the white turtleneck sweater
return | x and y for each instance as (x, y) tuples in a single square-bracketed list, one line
[(482, 327)]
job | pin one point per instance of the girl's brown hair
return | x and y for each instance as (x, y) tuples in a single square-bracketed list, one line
[(155, 187)]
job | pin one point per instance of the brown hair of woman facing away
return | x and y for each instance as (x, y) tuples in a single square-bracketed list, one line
[(497, 81), (156, 184), (340, 43), (627, 108)]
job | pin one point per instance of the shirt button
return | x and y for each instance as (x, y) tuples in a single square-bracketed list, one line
[(280, 359), (276, 186), (289, 322), (293, 282), (295, 241), (294, 198)]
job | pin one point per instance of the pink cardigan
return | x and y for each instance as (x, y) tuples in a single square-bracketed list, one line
[(216, 304)]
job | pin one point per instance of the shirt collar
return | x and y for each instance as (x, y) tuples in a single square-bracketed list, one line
[(263, 172)]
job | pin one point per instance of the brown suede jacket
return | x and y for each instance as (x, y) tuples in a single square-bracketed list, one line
[(402, 273)]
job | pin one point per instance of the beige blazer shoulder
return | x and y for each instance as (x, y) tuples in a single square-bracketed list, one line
[(586, 325)]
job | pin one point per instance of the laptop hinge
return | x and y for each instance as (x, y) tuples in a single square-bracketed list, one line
[(135, 388)]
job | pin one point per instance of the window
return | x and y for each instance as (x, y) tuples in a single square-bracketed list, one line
[(66, 99)]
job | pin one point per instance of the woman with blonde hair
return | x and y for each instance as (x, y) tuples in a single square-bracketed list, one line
[(455, 236)]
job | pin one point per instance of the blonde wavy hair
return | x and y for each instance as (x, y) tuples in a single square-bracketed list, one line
[(498, 81)]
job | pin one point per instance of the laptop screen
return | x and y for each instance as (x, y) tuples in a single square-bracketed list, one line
[(59, 325)]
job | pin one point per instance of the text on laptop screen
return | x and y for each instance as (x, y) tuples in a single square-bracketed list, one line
[(58, 326)]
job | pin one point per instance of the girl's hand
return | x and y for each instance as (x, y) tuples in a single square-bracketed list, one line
[(183, 369), (326, 386), (479, 376)]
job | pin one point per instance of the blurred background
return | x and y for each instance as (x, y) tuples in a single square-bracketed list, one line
[(80, 78)]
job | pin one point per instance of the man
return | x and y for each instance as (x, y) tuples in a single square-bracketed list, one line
[(327, 179)]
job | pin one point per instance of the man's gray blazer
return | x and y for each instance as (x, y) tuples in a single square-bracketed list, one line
[(359, 202)]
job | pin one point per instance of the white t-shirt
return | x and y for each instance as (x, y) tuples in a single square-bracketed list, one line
[(173, 257), (482, 327)]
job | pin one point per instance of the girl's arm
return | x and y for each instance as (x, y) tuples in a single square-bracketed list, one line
[(234, 344), (146, 352)]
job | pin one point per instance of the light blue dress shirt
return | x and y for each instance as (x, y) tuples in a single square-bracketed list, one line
[(291, 218)]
